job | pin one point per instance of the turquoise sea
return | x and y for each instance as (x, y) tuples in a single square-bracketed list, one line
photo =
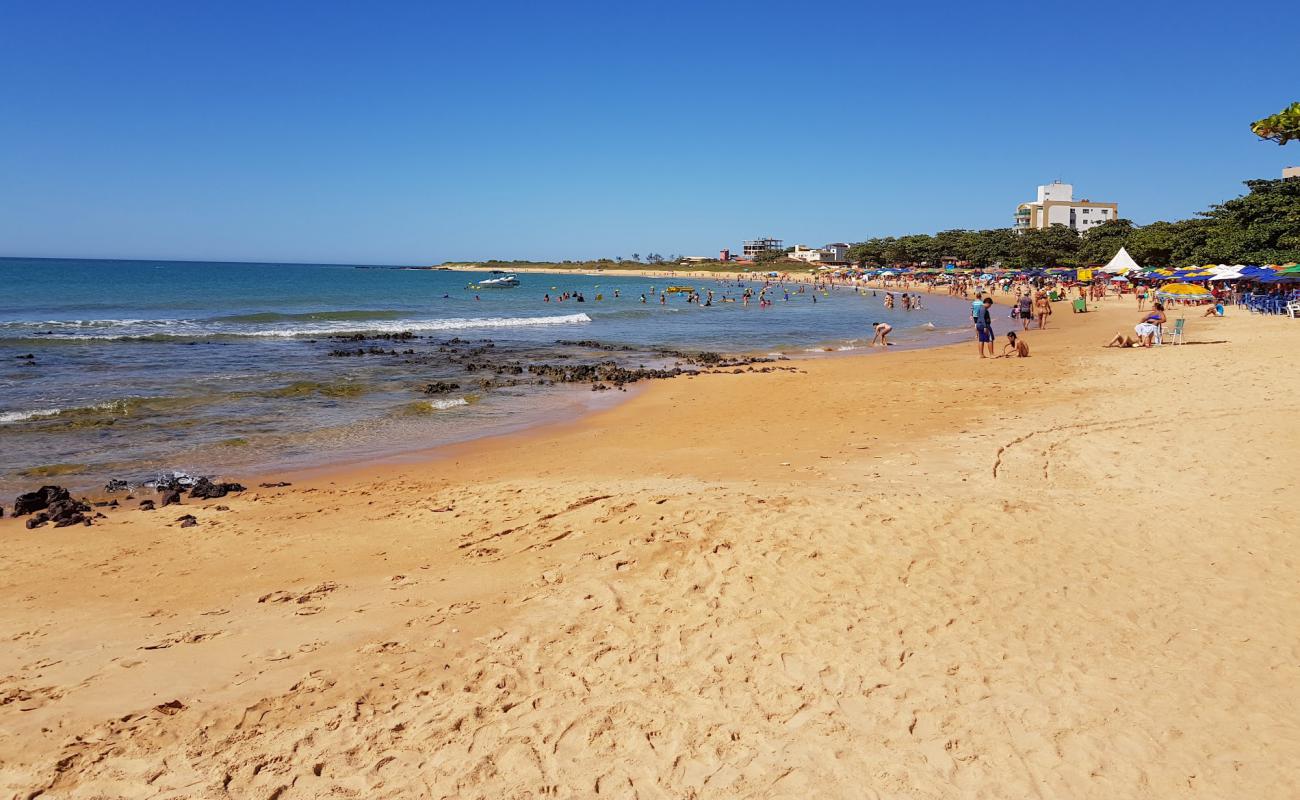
[(126, 369)]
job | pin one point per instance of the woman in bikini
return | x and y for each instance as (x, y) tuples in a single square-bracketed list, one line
[(1043, 309), (1150, 325)]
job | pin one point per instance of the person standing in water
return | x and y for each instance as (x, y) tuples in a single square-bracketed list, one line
[(882, 329)]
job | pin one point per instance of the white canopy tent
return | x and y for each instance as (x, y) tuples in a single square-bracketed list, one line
[(1224, 272), (1121, 263)]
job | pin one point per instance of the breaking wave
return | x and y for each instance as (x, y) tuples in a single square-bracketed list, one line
[(262, 326)]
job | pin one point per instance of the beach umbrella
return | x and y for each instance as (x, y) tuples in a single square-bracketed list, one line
[(1120, 279), (1183, 291)]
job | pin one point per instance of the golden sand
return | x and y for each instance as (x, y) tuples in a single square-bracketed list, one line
[(899, 575)]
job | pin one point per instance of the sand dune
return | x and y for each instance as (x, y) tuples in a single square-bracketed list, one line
[(895, 575)]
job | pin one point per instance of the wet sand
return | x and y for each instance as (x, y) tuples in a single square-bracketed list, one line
[(908, 574)]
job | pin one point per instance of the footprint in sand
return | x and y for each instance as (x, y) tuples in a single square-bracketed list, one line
[(315, 593)]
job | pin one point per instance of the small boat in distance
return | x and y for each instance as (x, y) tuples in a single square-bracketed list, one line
[(496, 283)]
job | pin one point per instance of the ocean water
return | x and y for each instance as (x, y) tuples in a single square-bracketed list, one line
[(124, 369)]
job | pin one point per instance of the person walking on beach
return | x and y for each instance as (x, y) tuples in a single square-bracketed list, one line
[(984, 327), (1043, 309), (1025, 310)]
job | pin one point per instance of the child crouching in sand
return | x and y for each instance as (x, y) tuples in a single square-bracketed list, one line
[(1015, 347)]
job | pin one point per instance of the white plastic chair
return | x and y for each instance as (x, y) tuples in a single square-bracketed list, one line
[(1293, 309)]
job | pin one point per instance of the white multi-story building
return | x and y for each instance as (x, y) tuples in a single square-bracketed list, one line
[(1056, 206), (833, 253), (1291, 172)]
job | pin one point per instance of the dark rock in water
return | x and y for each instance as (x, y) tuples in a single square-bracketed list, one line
[(39, 500), (606, 372), (28, 356), (2, 512), (170, 498), (441, 387), (275, 485), (146, 505), (187, 521), (205, 489), (116, 485), (595, 345)]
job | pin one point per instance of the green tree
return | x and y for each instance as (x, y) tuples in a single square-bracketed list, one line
[(1261, 227), (990, 248), (1282, 127), (1056, 245), (869, 252)]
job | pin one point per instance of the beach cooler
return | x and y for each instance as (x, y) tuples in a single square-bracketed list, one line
[(1080, 305)]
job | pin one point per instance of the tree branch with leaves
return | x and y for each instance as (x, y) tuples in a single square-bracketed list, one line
[(1282, 127)]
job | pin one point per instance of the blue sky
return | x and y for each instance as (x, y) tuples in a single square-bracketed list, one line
[(393, 132)]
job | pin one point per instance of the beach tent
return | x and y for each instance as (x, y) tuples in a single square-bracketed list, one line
[(1119, 279), (1226, 273), (1121, 263)]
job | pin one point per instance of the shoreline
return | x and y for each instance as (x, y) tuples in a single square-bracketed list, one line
[(90, 485), (917, 571)]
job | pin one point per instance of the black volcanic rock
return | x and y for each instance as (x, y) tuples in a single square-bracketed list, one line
[(39, 500), (205, 489)]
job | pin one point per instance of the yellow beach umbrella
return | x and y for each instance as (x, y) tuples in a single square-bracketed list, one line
[(1183, 291)]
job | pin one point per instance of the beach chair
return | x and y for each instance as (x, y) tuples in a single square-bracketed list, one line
[(1176, 335), (1293, 309)]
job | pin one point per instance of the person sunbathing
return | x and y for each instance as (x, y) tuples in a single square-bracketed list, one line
[(1015, 347), (1121, 340)]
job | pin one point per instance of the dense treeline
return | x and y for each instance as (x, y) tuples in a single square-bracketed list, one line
[(1261, 227)]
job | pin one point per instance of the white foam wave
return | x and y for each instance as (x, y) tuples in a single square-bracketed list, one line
[(10, 417), (7, 417), (443, 405), (116, 330), (412, 325)]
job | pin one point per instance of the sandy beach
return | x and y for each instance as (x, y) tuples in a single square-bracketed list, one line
[(895, 575)]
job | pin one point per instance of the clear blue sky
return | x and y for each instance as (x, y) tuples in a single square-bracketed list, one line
[(393, 132)]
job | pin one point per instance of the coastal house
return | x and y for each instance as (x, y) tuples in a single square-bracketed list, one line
[(1056, 206), (833, 254)]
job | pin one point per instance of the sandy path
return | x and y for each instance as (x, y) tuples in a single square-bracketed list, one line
[(897, 575)]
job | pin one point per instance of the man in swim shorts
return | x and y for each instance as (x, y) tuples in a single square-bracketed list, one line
[(984, 328)]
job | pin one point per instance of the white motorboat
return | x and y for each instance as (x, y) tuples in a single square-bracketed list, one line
[(505, 282)]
